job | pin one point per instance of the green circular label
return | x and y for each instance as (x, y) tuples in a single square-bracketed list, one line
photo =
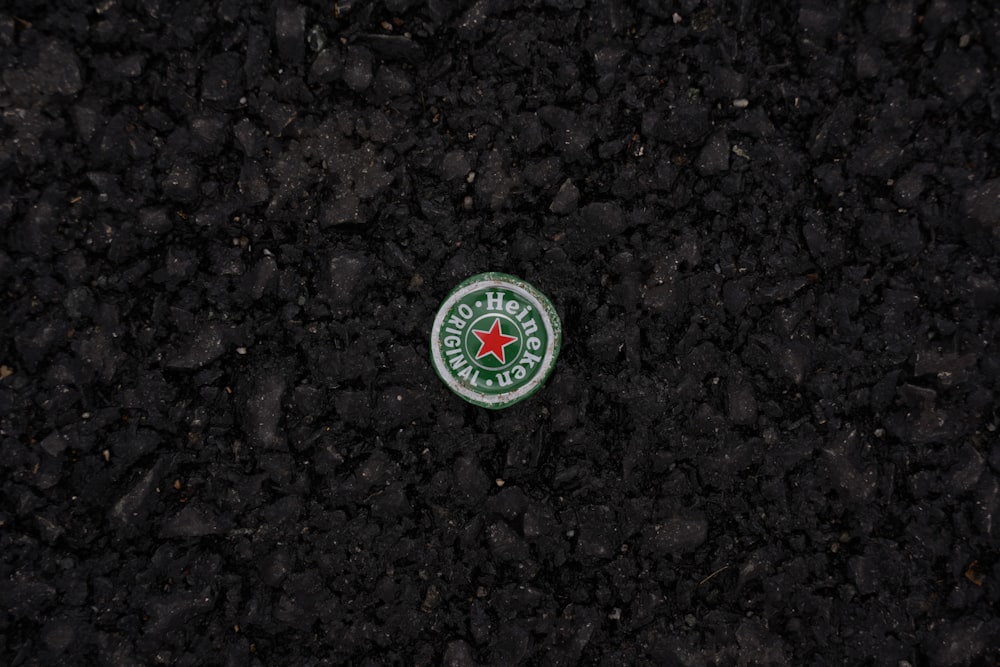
[(495, 340)]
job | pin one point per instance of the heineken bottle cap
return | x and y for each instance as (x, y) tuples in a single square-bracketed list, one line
[(495, 340)]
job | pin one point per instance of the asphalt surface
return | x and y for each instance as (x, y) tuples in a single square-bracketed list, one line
[(771, 231)]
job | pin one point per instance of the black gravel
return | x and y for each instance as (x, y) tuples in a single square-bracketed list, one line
[(771, 230)]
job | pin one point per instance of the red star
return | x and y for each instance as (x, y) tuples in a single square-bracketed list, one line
[(493, 342)]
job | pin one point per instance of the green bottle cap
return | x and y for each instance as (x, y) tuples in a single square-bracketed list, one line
[(495, 340)]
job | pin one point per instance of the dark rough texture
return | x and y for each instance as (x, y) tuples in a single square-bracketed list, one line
[(771, 231)]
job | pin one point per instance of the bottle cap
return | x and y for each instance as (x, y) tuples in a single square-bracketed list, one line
[(495, 340)]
